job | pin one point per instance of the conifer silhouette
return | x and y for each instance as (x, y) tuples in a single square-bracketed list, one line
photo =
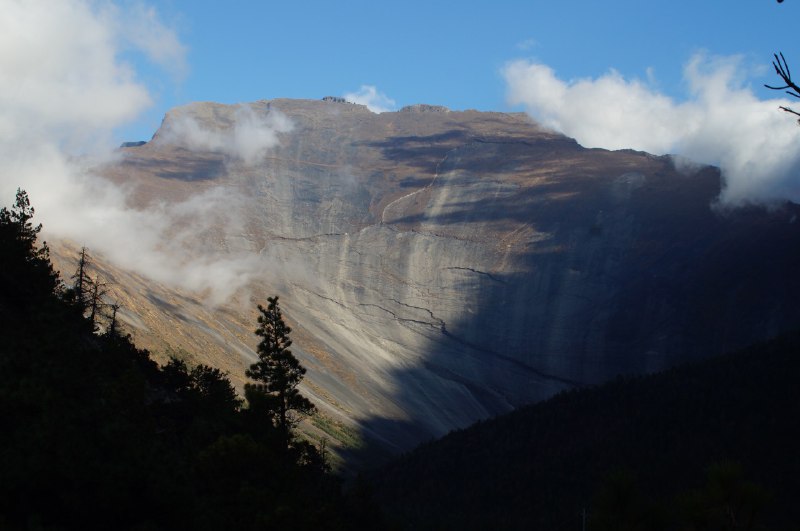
[(277, 371)]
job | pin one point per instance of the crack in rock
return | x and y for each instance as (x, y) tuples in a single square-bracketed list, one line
[(308, 238), (484, 273), (436, 326), (438, 320)]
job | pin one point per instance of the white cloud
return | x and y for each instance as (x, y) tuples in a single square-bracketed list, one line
[(375, 101), (250, 135), (64, 89), (721, 122), (141, 26), (61, 78)]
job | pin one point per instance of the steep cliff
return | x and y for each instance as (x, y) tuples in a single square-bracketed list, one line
[(442, 267)]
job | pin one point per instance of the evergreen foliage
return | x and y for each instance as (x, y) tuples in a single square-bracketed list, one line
[(277, 371), (26, 277), (95, 435)]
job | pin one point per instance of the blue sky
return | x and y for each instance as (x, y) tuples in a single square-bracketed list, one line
[(448, 53)]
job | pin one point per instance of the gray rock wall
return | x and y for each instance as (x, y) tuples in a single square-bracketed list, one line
[(440, 268)]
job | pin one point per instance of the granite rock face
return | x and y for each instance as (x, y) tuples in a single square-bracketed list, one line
[(443, 267)]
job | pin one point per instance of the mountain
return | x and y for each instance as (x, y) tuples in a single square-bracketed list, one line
[(440, 267)]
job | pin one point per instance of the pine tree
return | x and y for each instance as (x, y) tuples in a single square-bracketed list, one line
[(18, 222), (26, 275), (277, 371)]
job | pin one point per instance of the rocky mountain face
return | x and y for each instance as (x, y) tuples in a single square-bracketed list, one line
[(444, 267)]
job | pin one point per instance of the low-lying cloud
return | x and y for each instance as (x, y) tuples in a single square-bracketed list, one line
[(251, 133), (65, 88), (721, 122), (375, 100)]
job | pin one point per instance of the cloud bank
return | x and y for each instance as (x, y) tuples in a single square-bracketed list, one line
[(64, 89), (62, 81), (375, 101), (721, 122)]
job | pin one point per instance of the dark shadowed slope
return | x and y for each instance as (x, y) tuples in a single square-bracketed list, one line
[(648, 442)]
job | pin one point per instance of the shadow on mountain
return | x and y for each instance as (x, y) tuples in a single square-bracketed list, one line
[(172, 309), (182, 165), (427, 152), (414, 182), (621, 285)]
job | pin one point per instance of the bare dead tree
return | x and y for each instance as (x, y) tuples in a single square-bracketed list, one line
[(96, 300), (91, 295), (82, 287), (789, 86), (113, 325)]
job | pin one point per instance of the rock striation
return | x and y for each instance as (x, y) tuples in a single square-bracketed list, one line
[(441, 267)]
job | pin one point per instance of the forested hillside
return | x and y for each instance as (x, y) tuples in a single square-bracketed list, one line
[(712, 445), (98, 436)]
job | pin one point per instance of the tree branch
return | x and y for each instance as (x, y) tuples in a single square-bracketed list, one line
[(782, 69)]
